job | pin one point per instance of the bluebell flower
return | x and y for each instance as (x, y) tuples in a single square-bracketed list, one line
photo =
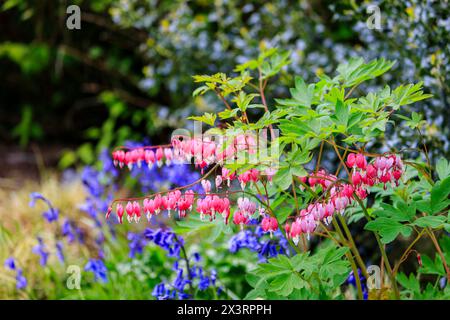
[(167, 240), (51, 214), (91, 181), (203, 283), (40, 250), (183, 295), (136, 243), (351, 280), (196, 256), (160, 292), (21, 281), (59, 251), (213, 277), (100, 239), (244, 239), (108, 167), (442, 282), (256, 240), (98, 268), (37, 196), (10, 263), (67, 231)]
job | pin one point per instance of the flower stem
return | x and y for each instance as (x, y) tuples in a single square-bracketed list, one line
[(382, 250)]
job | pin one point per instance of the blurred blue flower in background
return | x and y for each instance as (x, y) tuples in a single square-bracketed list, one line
[(21, 281), (136, 243), (59, 251), (98, 268), (351, 280), (51, 214), (10, 263), (40, 250)]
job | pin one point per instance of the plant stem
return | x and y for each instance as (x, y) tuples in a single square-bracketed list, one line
[(353, 246), (350, 259), (405, 254), (382, 250), (262, 86), (439, 251), (188, 268)]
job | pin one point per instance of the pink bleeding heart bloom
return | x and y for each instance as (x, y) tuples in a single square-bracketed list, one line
[(308, 225), (129, 160), (247, 207), (312, 181), (118, 158), (356, 178), (172, 200), (240, 219), (108, 213), (243, 179), (158, 204), (228, 175), (136, 211), (361, 193), (159, 157), (371, 171), (168, 154), (340, 204), (149, 157), (287, 230), (380, 164), (295, 231), (119, 212), (140, 156), (347, 191), (361, 161), (329, 211), (397, 174), (206, 184), (185, 203), (130, 211), (204, 207), (351, 160), (269, 224), (147, 206)]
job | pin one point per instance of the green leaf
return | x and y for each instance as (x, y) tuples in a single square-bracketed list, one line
[(243, 100), (284, 284), (430, 221), (283, 178), (226, 114), (356, 71), (439, 195), (410, 283), (407, 94), (208, 118), (341, 114), (430, 267), (443, 168), (401, 211), (302, 94), (388, 229), (200, 91)]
